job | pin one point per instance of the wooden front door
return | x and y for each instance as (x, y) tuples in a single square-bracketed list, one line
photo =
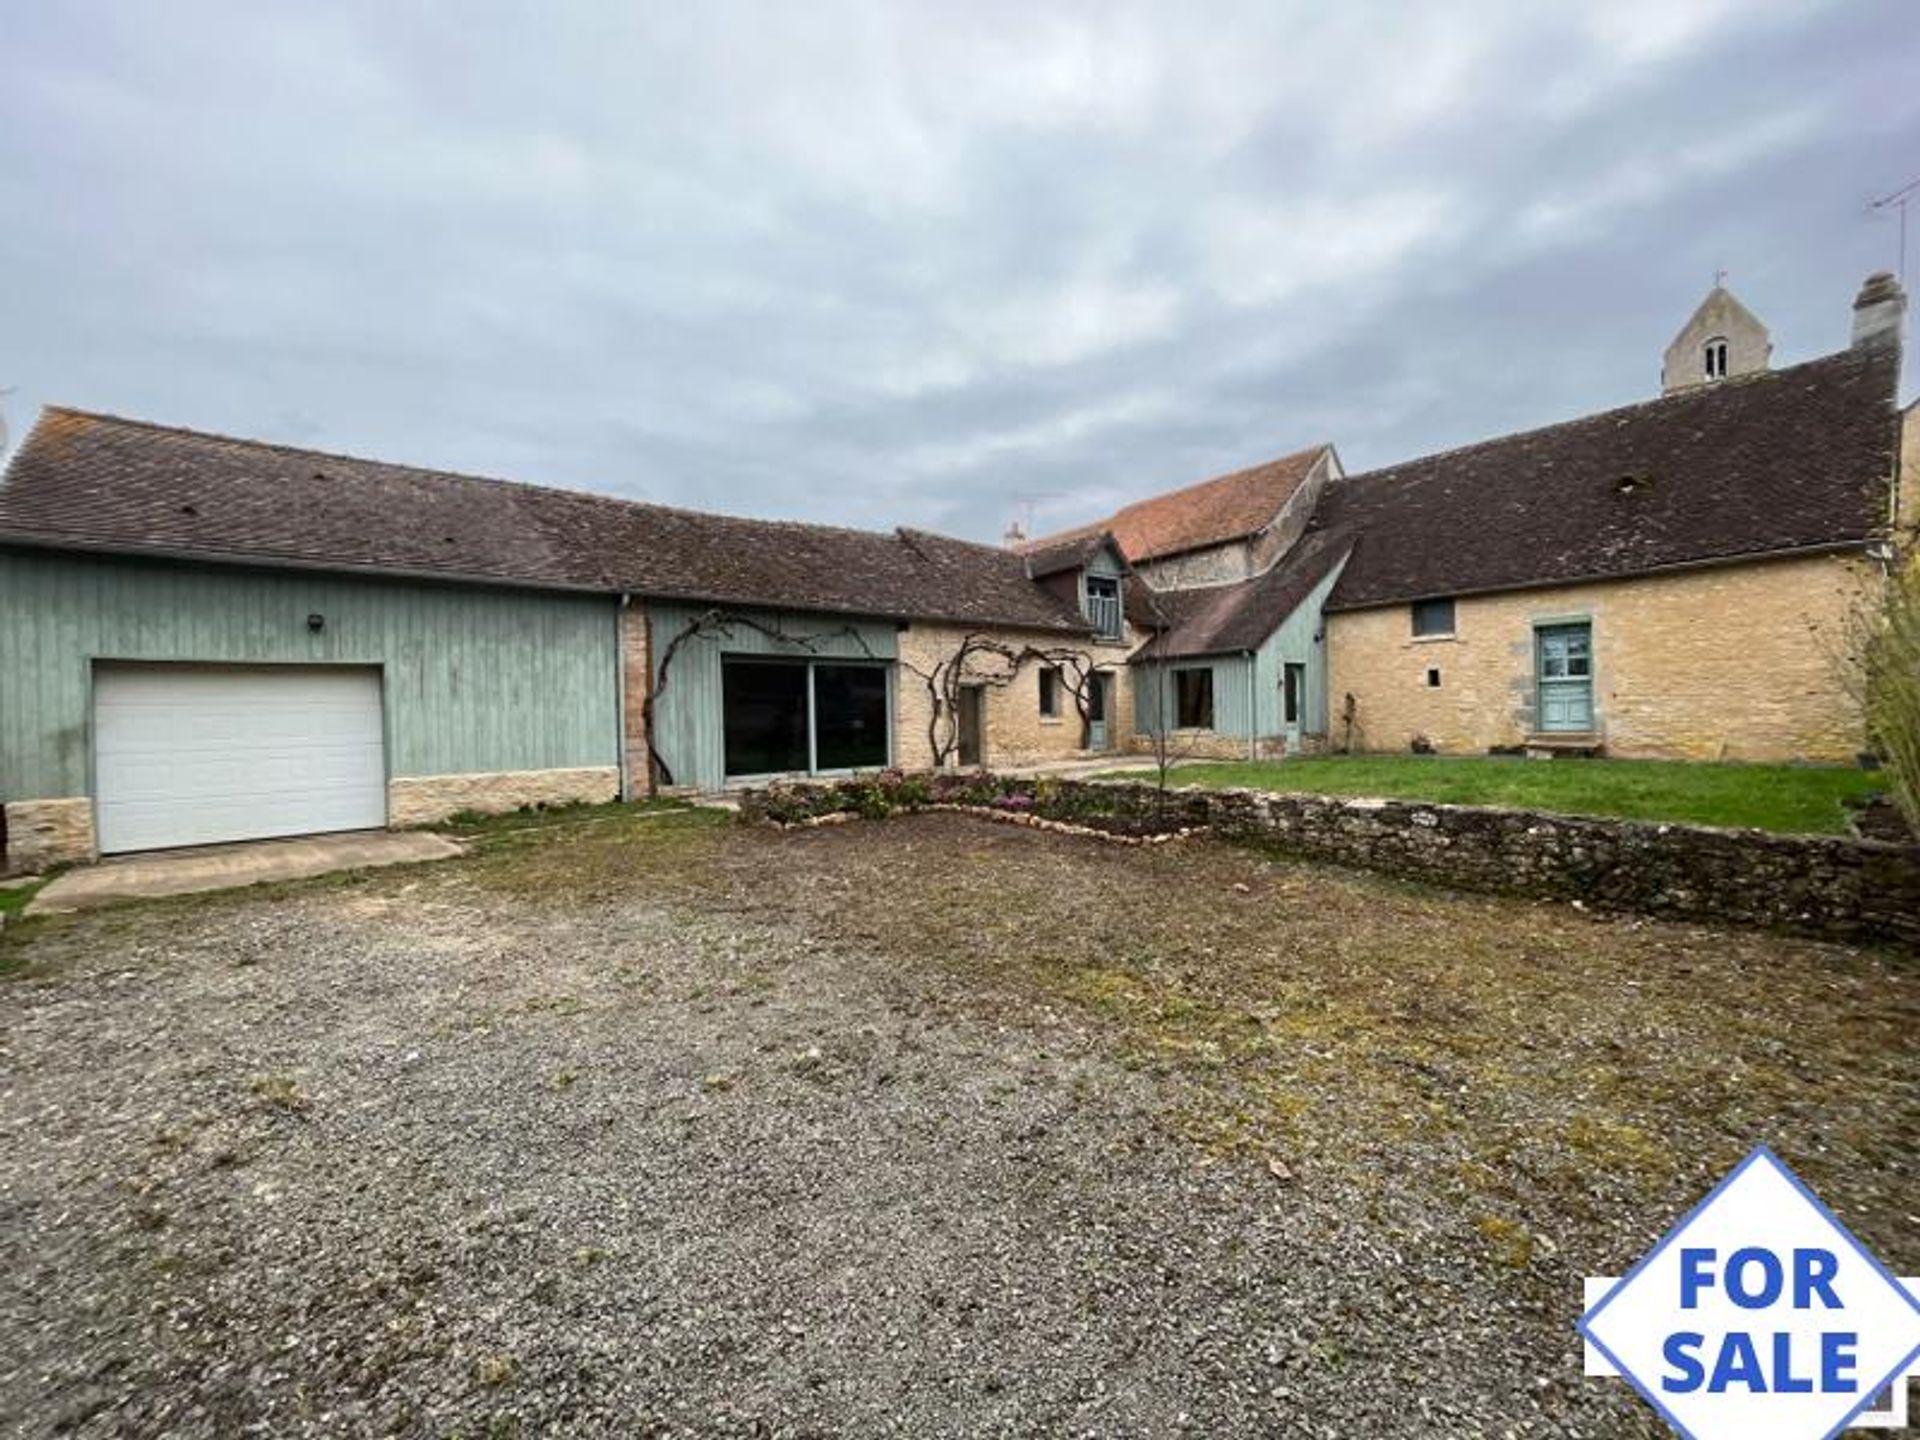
[(1099, 698), (972, 723), (1293, 702), (1565, 677)]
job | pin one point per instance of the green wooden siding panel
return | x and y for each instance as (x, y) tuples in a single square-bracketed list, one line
[(1300, 640), (476, 678), (687, 730), (1240, 710), (1232, 704)]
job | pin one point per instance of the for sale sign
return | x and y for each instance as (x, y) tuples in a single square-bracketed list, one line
[(1758, 1316)]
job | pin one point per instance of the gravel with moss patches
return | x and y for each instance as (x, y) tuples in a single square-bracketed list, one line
[(916, 1128)]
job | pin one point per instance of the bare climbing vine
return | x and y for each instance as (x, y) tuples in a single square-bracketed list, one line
[(976, 660), (994, 664), (721, 624)]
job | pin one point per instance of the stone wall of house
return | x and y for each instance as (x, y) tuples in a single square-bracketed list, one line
[(636, 660), (41, 833), (424, 799), (1737, 662), (1016, 732), (1264, 549), (1215, 565)]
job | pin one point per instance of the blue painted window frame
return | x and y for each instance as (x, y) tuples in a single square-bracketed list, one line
[(1434, 618), (1103, 606)]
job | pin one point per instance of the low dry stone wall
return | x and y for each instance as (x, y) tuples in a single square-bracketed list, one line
[(1825, 885), (1821, 885)]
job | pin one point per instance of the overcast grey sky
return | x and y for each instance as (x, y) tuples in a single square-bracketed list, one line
[(936, 265)]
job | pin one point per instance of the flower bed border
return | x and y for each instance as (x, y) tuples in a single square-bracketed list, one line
[(1000, 817)]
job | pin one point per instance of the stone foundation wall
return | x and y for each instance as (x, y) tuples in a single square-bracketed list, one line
[(41, 833), (423, 799)]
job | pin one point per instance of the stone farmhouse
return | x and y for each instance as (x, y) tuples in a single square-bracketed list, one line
[(206, 639), (1674, 579)]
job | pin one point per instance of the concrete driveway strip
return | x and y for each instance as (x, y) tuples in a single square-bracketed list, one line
[(225, 867)]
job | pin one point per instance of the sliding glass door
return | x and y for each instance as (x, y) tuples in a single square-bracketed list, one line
[(796, 716), (764, 708), (849, 717)]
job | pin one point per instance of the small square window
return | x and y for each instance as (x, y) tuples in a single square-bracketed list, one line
[(1050, 691), (1433, 617), (1193, 693), (1433, 678)]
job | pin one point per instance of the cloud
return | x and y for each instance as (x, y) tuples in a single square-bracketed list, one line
[(888, 263), (1267, 252), (1641, 181)]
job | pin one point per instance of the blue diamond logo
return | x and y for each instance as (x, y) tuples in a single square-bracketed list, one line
[(1759, 1316)]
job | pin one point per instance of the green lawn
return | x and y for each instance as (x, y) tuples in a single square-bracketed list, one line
[(1793, 799), (14, 898)]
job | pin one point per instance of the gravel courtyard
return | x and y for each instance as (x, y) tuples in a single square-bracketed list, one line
[(655, 1125)]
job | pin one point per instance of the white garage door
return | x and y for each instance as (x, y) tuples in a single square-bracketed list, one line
[(195, 754)]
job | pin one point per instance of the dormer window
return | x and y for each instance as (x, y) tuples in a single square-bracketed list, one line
[(1103, 606), (1716, 359)]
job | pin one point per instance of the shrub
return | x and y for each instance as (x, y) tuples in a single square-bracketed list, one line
[(1888, 648)]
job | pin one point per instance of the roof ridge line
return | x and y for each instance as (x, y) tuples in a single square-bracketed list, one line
[(1233, 474), (1074, 532), (904, 531), (1691, 392), (528, 486)]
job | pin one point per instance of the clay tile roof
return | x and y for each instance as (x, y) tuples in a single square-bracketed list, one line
[(87, 481), (1790, 460), (1227, 507), (1227, 619), (1072, 553)]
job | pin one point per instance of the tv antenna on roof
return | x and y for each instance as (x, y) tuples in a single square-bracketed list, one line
[(1898, 201)]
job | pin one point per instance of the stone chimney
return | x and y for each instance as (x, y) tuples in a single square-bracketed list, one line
[(1015, 536), (1879, 311)]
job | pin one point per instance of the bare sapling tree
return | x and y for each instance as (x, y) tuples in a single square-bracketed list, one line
[(1160, 701), (1881, 668)]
